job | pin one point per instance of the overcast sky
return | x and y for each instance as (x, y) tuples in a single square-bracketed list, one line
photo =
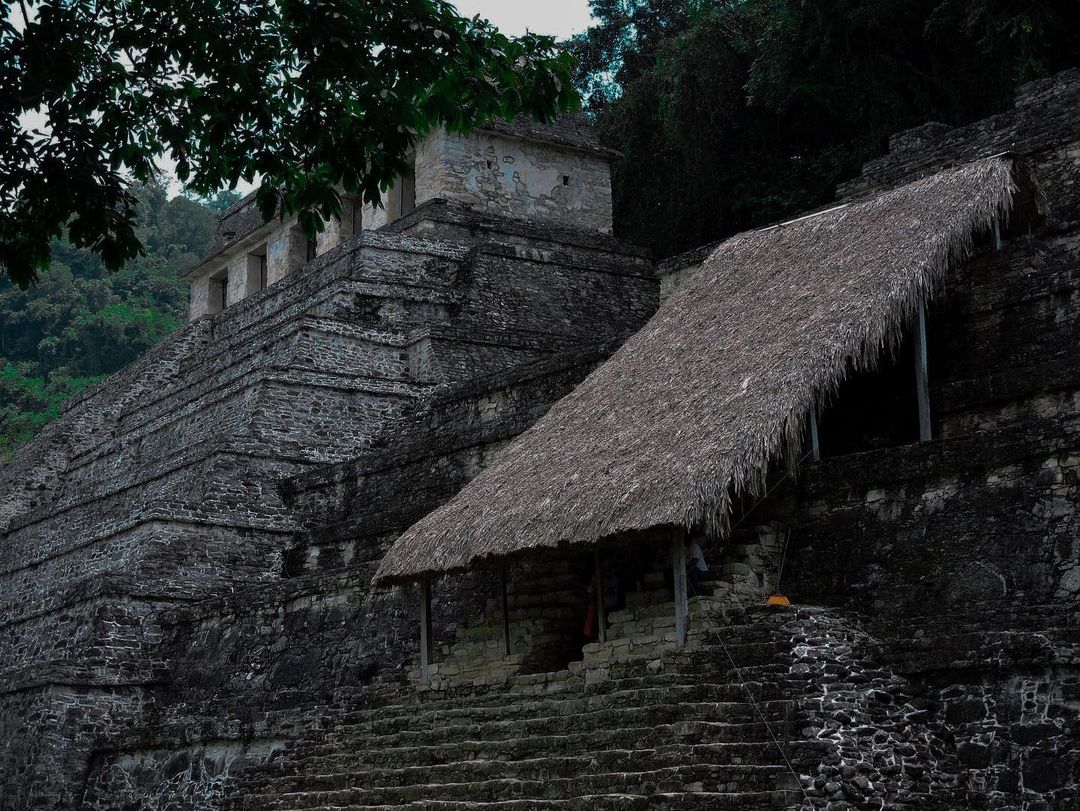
[(559, 17)]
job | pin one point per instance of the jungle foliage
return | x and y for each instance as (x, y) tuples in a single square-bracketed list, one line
[(81, 322), (737, 113)]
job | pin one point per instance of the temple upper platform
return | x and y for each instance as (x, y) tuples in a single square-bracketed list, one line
[(555, 174)]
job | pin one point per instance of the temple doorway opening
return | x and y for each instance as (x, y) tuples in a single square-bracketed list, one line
[(874, 409)]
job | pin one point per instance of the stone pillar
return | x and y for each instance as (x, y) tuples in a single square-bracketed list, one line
[(329, 238), (922, 380), (286, 252), (601, 598), (424, 588), (504, 600), (376, 217), (238, 278), (341, 230), (200, 298)]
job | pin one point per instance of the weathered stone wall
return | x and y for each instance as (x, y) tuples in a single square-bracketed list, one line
[(973, 705), (163, 779), (546, 174), (48, 731), (280, 241), (325, 637), (497, 174), (190, 548), (678, 269), (960, 554), (1043, 118), (159, 487), (430, 454)]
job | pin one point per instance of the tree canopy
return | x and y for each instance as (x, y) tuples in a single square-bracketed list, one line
[(736, 113), (311, 96)]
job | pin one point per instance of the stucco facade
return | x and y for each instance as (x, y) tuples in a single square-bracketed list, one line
[(557, 176)]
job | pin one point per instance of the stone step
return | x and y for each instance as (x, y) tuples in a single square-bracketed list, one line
[(668, 801), (680, 670), (686, 727), (541, 768), (343, 753), (700, 605), (711, 662), (627, 673), (520, 734), (509, 723), (712, 645), (501, 707), (630, 676), (672, 779)]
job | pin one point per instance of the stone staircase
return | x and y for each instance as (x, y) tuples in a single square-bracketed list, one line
[(742, 573), (546, 611), (764, 708), (683, 729)]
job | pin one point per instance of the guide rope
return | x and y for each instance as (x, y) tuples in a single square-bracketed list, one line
[(715, 631), (710, 627)]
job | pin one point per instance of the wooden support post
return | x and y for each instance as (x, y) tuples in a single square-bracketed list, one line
[(922, 379), (601, 608), (424, 587), (815, 442), (997, 235), (682, 605), (505, 615)]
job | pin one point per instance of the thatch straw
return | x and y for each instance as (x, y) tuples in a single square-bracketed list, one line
[(688, 414)]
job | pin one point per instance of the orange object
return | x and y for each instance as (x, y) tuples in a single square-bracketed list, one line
[(777, 599)]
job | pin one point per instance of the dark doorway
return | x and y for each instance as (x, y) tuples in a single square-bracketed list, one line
[(874, 409)]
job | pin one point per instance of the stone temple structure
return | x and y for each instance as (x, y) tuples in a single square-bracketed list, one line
[(290, 559)]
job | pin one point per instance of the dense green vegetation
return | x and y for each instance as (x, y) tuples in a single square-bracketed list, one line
[(736, 113), (81, 323)]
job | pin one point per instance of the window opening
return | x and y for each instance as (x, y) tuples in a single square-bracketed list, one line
[(222, 291), (256, 271), (401, 200), (408, 191)]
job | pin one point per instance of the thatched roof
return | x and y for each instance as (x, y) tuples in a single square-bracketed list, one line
[(691, 410)]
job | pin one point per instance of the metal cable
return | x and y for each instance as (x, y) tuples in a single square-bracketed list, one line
[(753, 701)]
